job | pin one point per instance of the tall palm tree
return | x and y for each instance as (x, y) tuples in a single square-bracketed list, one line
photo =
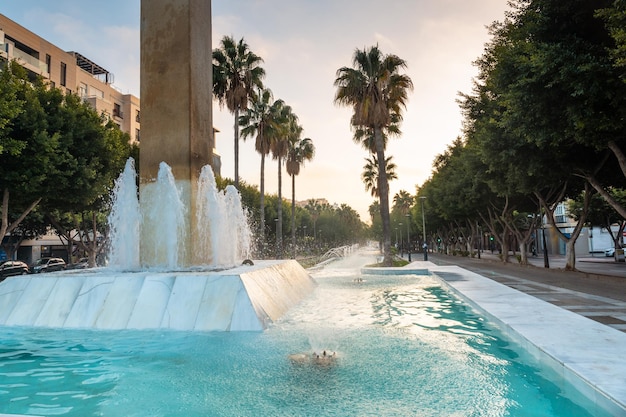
[(377, 93), (260, 120), (403, 201), (370, 175), (287, 121), (314, 208), (300, 150), (236, 72)]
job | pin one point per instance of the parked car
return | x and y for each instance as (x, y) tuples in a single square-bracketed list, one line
[(82, 263), (609, 252), (47, 265), (10, 268)]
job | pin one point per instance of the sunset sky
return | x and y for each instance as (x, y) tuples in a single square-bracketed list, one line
[(303, 43)]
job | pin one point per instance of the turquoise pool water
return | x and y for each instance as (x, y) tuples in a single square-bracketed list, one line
[(404, 346)]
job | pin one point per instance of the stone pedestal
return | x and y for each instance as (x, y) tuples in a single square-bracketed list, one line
[(247, 298), (176, 115)]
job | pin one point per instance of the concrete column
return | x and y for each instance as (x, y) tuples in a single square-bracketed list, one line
[(176, 101)]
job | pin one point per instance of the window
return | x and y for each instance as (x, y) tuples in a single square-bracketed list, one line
[(137, 136), (117, 110), (82, 89), (63, 80), (48, 63), (95, 92), (137, 118), (559, 214)]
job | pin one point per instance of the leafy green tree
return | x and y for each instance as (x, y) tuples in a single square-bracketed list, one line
[(314, 208), (377, 93), (615, 18), (549, 104), (29, 146), (236, 73), (62, 159), (376, 228), (98, 153), (12, 82)]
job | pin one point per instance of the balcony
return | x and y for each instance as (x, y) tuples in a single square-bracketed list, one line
[(29, 61)]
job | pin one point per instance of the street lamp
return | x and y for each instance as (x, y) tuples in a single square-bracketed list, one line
[(396, 229), (408, 238), (400, 226), (425, 246)]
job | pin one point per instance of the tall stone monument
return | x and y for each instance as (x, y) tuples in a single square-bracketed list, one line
[(176, 105)]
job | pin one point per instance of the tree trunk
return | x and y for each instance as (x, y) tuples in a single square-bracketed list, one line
[(570, 254), (262, 204), (93, 250), (279, 210), (5, 227), (236, 128), (621, 210), (383, 194), (523, 253), (621, 158), (293, 216), (504, 244)]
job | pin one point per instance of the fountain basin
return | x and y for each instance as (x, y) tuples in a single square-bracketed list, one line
[(246, 298)]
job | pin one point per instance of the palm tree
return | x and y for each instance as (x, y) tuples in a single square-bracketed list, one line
[(370, 175), (314, 208), (236, 72), (403, 201), (261, 121), (377, 92), (280, 147), (300, 150)]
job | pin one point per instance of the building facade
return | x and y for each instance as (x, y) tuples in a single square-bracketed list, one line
[(71, 72)]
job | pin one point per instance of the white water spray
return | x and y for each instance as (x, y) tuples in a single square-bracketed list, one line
[(125, 220), (222, 224), (223, 233), (165, 209)]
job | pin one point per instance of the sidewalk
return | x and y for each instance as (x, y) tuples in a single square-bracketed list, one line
[(597, 291)]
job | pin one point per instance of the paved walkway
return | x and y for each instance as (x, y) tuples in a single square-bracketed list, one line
[(597, 291)]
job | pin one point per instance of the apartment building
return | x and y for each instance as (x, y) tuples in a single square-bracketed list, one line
[(75, 73), (72, 72)]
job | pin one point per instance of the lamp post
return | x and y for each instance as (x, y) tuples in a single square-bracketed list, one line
[(396, 229), (425, 246), (408, 238), (480, 239), (546, 261), (400, 226)]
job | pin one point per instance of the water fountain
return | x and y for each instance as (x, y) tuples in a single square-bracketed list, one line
[(218, 294), (177, 251)]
